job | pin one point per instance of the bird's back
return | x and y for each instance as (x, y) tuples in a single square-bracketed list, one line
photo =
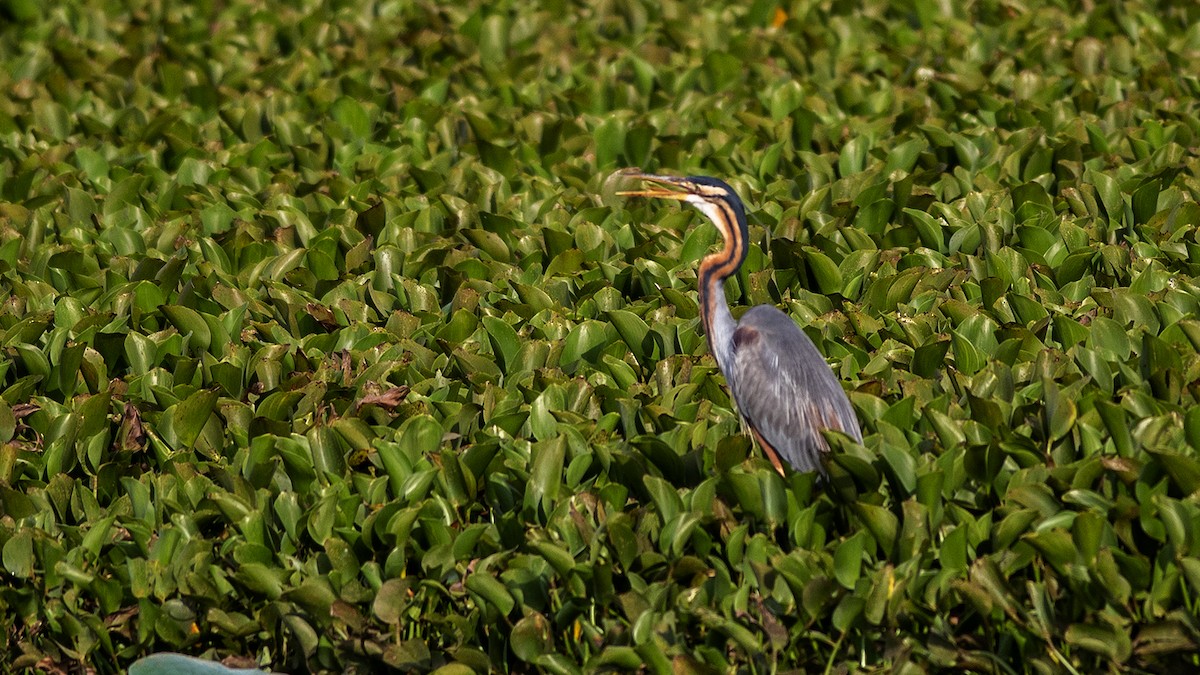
[(785, 389)]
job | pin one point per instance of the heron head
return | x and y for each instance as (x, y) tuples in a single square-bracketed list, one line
[(712, 196), (692, 189)]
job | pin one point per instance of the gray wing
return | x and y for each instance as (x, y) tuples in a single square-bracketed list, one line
[(785, 390)]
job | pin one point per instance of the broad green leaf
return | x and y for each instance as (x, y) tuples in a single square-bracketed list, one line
[(881, 523), (391, 599), (352, 116), (829, 279), (189, 322), (634, 331), (665, 497), (492, 591), (531, 637), (1060, 412), (505, 342), (183, 421), (18, 554), (584, 342), (261, 580), (1110, 641), (967, 357), (848, 560), (609, 139), (545, 475)]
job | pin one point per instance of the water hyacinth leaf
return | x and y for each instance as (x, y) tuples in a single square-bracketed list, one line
[(624, 542), (18, 554), (828, 277), (874, 217), (352, 116), (189, 322), (66, 372), (492, 591), (391, 600), (1074, 267), (33, 360), (848, 560), (967, 357), (421, 435), (887, 294), (1110, 195), (1097, 367), (881, 523), (261, 579), (621, 658), (929, 230), (609, 141), (477, 458), (665, 497), (746, 489), (542, 423), (1117, 425), (584, 342), (929, 358), (903, 156), (1191, 428), (1060, 412), (1030, 201), (531, 637), (505, 342), (490, 243), (327, 452), (371, 221), (16, 505), (634, 331), (28, 329), (1184, 470), (322, 265), (1176, 520), (460, 668), (774, 498), (1145, 201), (697, 243), (1055, 545), (279, 405), (93, 414), (545, 476), (457, 484), (8, 423), (408, 655), (953, 551), (182, 422), (852, 158), (1110, 641), (315, 593)]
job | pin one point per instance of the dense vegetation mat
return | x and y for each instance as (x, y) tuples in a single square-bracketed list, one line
[(327, 344)]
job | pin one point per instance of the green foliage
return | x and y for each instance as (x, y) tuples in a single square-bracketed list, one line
[(326, 342)]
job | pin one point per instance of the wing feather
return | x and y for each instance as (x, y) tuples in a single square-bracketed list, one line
[(784, 388)]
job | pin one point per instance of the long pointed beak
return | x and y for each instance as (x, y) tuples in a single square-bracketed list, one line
[(671, 189)]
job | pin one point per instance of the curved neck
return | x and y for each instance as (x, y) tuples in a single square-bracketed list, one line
[(714, 270)]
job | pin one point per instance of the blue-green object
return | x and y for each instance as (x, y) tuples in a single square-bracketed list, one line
[(179, 664)]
